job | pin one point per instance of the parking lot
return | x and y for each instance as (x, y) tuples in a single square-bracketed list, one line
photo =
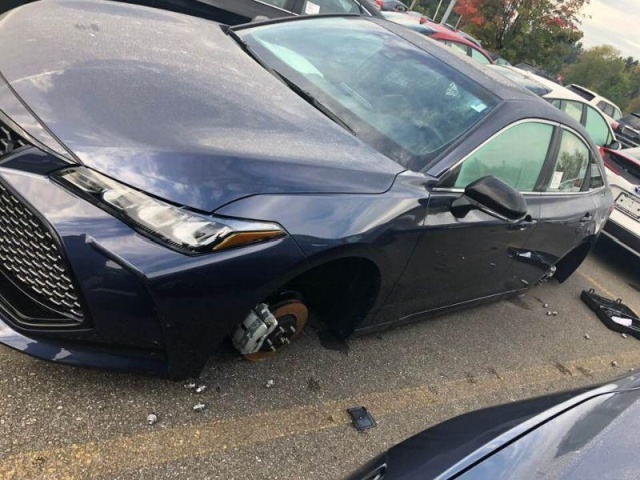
[(58, 422)]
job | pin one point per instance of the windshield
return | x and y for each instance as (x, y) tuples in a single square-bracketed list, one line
[(396, 97)]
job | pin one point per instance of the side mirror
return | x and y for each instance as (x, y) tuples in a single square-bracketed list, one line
[(492, 196), (615, 145)]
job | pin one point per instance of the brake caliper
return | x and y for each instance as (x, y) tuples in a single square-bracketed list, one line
[(251, 334)]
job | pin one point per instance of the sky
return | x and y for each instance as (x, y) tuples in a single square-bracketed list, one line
[(613, 22)]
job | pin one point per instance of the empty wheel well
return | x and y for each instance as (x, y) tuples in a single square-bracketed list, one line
[(571, 261), (341, 291)]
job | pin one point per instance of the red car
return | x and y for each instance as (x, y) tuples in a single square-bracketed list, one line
[(441, 33)]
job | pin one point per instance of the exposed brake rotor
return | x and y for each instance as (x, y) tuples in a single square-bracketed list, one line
[(292, 316)]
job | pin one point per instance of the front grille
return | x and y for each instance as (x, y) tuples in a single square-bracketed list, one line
[(9, 140), (31, 260)]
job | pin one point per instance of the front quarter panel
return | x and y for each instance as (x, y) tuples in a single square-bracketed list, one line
[(382, 228)]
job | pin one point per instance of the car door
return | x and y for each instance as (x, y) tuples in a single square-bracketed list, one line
[(457, 260), (571, 202)]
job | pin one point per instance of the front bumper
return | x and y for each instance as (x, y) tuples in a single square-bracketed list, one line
[(148, 308)]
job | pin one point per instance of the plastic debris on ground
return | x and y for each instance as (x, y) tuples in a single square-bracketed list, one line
[(190, 385), (270, 384), (152, 419), (614, 363), (198, 407), (613, 313), (586, 336), (200, 388), (361, 418)]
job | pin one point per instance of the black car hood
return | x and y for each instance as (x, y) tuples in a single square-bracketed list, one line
[(555, 436), (172, 105)]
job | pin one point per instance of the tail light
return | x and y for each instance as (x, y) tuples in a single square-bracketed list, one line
[(379, 3)]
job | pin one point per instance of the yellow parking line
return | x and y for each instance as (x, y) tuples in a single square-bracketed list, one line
[(104, 458), (597, 284)]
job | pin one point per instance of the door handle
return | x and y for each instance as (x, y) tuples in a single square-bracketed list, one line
[(585, 219), (523, 224)]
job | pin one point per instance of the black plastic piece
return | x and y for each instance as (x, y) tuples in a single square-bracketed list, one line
[(606, 308), (361, 418)]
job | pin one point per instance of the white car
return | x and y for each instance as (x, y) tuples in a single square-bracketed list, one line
[(574, 105), (623, 173), (610, 109)]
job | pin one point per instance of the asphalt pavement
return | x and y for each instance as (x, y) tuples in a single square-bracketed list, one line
[(69, 423)]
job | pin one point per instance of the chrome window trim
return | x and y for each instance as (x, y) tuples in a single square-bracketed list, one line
[(500, 132)]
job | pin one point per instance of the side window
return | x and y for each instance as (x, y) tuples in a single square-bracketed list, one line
[(574, 110), (457, 46), (571, 165), (596, 180), (515, 156), (617, 114), (557, 103), (476, 55), (316, 7), (597, 127)]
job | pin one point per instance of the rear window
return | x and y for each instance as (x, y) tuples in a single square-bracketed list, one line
[(396, 97), (581, 92), (626, 168), (631, 120)]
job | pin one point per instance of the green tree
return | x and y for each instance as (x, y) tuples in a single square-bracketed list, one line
[(603, 70), (542, 32)]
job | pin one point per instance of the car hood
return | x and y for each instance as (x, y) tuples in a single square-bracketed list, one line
[(172, 105), (540, 437)]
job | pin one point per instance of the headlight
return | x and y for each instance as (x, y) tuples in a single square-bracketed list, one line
[(174, 226)]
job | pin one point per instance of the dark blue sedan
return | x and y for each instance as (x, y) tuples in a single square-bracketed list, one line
[(167, 182)]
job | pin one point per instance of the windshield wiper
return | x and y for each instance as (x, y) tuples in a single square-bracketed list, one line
[(308, 97)]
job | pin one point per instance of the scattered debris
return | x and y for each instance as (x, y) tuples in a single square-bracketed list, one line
[(546, 305), (190, 385), (613, 313), (624, 335), (270, 384), (614, 363), (549, 313), (200, 388), (554, 313), (586, 335), (361, 418), (314, 384), (198, 407), (152, 419)]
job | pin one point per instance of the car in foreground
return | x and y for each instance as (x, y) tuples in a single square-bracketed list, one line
[(454, 39), (610, 109), (157, 197), (234, 12), (594, 121), (586, 434), (628, 130), (623, 172)]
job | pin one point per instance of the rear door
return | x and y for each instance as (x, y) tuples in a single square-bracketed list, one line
[(572, 204)]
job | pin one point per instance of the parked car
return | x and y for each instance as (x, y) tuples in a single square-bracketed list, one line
[(623, 172), (537, 71), (594, 121), (157, 196), (586, 434), (442, 34), (234, 12), (610, 109), (628, 130), (391, 5)]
